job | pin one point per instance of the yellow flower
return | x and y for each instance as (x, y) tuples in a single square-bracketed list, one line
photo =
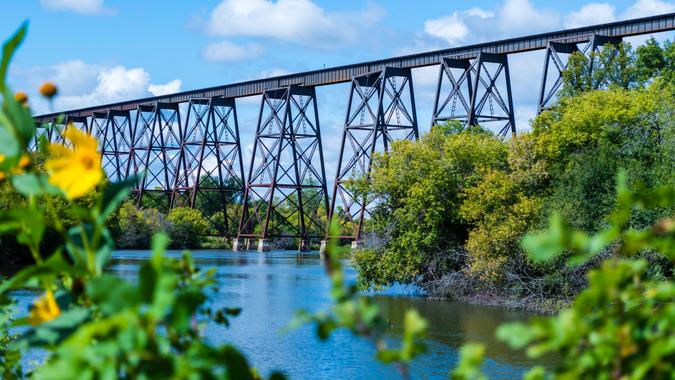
[(21, 97), (2, 176), (48, 90), (75, 170), (24, 161), (44, 309)]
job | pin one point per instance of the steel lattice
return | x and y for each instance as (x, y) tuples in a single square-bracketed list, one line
[(381, 110), (286, 187), (210, 172), (555, 63)]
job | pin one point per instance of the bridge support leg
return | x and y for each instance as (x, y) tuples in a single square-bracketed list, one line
[(557, 57), (470, 91), (116, 143), (239, 245), (286, 186), (209, 170), (381, 109), (264, 245), (304, 246), (155, 148)]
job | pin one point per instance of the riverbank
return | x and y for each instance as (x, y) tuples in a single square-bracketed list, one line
[(458, 287)]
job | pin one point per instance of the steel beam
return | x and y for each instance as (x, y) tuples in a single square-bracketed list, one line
[(210, 171), (557, 56), (286, 185), (340, 74), (381, 109), (115, 143), (156, 138)]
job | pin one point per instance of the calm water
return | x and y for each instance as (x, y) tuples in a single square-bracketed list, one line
[(271, 287)]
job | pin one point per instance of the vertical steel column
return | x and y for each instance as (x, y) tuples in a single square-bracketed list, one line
[(469, 87), (454, 79), (557, 53), (210, 171), (487, 103), (286, 186), (381, 109), (157, 136), (116, 143)]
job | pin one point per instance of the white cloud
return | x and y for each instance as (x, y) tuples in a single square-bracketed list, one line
[(512, 18), (297, 21), (521, 17), (644, 8), (85, 7), (226, 51), (83, 85), (590, 14), (450, 28), (171, 87)]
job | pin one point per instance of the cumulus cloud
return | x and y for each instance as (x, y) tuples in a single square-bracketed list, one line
[(226, 51), (644, 8), (82, 84), (298, 21), (590, 14), (513, 17), (171, 87), (85, 7)]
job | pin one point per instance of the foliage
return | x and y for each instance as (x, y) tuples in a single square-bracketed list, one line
[(186, 226), (419, 186), (133, 227), (453, 206), (502, 206), (622, 325)]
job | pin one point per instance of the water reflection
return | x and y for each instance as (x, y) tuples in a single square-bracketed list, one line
[(271, 287)]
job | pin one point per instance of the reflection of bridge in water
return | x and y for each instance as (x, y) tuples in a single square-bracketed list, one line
[(195, 159)]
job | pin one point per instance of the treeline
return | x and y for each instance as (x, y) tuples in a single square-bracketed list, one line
[(455, 204)]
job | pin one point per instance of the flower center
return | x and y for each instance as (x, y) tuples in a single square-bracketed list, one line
[(88, 162)]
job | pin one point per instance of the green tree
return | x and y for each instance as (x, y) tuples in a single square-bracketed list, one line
[(186, 226)]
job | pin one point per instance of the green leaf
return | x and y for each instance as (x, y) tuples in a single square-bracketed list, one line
[(27, 223), (114, 194), (9, 145), (517, 335), (112, 293), (33, 184), (8, 50)]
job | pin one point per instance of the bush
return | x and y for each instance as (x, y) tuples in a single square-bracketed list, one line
[(134, 228), (186, 226)]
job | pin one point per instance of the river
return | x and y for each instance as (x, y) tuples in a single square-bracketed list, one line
[(270, 287)]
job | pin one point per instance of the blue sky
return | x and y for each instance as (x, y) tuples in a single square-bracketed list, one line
[(99, 51)]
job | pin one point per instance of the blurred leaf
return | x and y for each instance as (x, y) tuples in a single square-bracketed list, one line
[(112, 294), (114, 194), (33, 184), (8, 49)]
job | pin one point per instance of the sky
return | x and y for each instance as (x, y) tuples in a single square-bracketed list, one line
[(101, 51)]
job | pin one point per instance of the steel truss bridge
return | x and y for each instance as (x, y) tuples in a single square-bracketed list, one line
[(196, 160)]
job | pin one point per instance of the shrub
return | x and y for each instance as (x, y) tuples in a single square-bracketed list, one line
[(186, 226), (134, 227)]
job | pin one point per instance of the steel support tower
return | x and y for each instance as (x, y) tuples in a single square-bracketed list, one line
[(210, 171), (381, 109), (470, 90), (286, 191), (558, 52), (154, 152)]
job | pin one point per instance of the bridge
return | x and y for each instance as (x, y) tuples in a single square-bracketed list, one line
[(195, 160)]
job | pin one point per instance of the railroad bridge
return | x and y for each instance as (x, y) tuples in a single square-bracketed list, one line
[(195, 160)]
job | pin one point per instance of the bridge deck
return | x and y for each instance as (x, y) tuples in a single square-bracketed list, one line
[(646, 25)]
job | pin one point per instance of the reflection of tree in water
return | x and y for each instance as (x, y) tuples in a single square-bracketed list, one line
[(452, 324)]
